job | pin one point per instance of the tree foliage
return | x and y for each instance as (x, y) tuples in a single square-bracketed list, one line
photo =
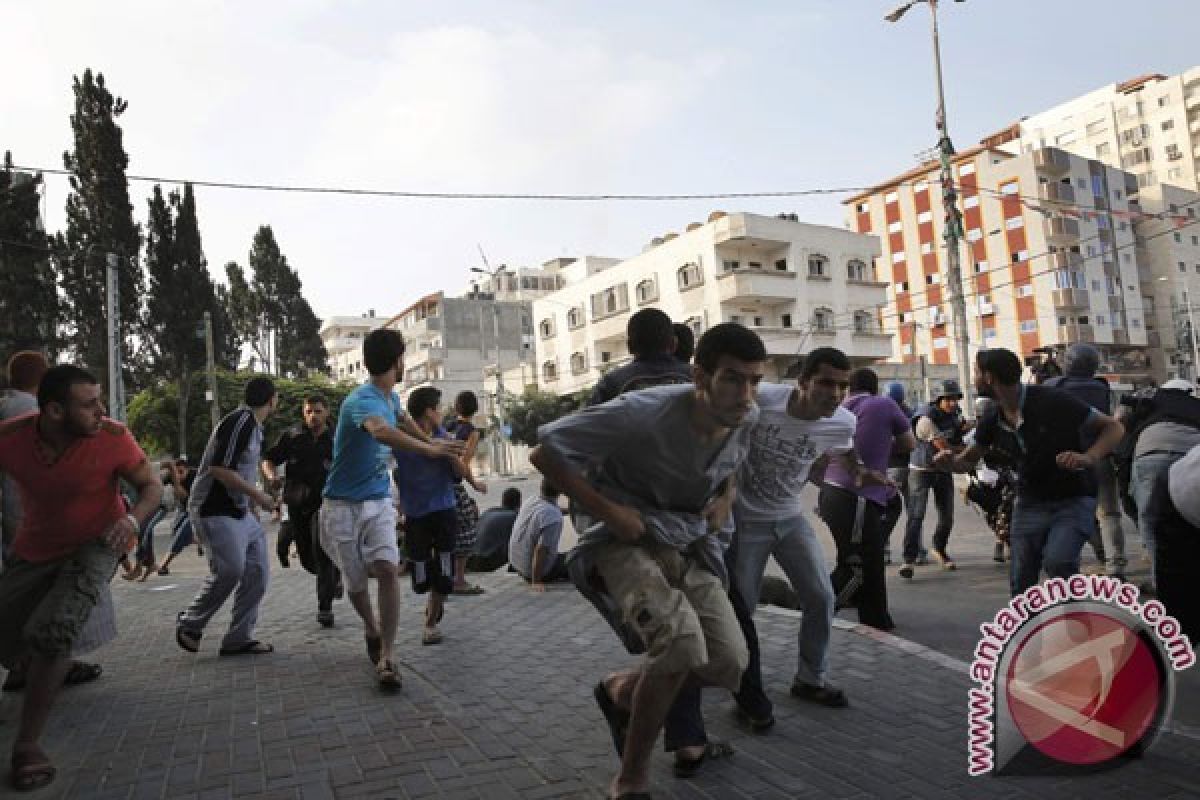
[(277, 306), (99, 222), (533, 408), (153, 412), (29, 305)]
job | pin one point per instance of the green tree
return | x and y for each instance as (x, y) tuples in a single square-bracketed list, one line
[(279, 312), (241, 308), (533, 408), (29, 305), (99, 223)]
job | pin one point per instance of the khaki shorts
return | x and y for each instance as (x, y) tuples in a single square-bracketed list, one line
[(357, 534), (679, 608), (46, 605)]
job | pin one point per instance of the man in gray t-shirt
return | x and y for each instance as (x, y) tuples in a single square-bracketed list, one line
[(533, 548), (654, 469)]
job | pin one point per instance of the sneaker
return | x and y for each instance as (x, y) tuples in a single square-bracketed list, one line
[(325, 618), (828, 695), (945, 560), (907, 570)]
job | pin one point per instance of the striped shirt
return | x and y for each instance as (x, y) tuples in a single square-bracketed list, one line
[(235, 444)]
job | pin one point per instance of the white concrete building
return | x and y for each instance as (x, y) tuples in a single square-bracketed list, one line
[(1049, 257), (1149, 126), (1169, 247), (342, 337), (799, 286)]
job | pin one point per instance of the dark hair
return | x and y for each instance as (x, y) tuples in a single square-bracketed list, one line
[(1002, 364), (649, 332), (864, 379), (55, 386), (381, 348), (685, 342), (511, 498), (549, 489), (259, 391), (422, 399), (466, 404), (316, 400), (26, 368), (811, 364), (728, 339)]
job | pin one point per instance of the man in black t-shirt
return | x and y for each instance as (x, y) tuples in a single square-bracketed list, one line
[(1044, 429), (652, 344)]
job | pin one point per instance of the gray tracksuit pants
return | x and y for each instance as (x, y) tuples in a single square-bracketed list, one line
[(237, 559)]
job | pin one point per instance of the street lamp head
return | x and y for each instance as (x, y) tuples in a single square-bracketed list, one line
[(480, 270), (895, 14)]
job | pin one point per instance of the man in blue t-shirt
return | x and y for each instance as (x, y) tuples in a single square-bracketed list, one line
[(358, 522), (426, 487)]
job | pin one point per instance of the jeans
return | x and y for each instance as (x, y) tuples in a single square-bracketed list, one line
[(1112, 534), (1142, 477), (1048, 535), (920, 483), (794, 544)]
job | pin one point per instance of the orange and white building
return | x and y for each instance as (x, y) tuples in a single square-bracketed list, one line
[(1049, 257)]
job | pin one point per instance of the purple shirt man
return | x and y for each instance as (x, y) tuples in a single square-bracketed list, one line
[(879, 421)]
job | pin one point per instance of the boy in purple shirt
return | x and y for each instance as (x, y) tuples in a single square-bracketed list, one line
[(854, 513)]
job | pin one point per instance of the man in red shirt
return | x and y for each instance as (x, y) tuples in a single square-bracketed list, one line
[(67, 460)]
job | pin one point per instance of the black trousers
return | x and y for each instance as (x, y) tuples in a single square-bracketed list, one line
[(858, 563), (303, 528)]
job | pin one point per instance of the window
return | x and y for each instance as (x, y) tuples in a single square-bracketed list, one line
[(612, 300), (890, 197), (549, 371), (1097, 127), (1025, 291), (1029, 326), (754, 265), (1178, 238), (1117, 194), (758, 322), (1096, 286), (823, 320), (895, 227), (931, 280), (546, 327), (785, 320), (900, 317), (1135, 323), (1103, 150), (689, 276), (901, 287), (971, 202), (856, 270), (1009, 188), (1012, 223), (925, 216), (974, 235), (897, 257), (730, 266), (863, 207), (818, 266), (647, 291), (1182, 266), (941, 343), (1064, 139), (989, 334), (981, 266), (1173, 152), (863, 322), (1101, 320), (1164, 101), (781, 264), (920, 186), (575, 318), (926, 248), (966, 169), (735, 318), (1081, 183), (1174, 173), (1083, 321), (1168, 124), (578, 363)]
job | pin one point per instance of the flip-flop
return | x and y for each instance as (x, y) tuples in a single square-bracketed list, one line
[(617, 719), (468, 590), (30, 771), (250, 648), (374, 649), (687, 767), (187, 640), (389, 677), (82, 672)]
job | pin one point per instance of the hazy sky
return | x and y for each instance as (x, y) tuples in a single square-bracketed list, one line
[(538, 97)]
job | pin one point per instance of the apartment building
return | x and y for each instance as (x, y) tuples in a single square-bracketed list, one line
[(1148, 126), (342, 337), (800, 286), (1049, 257), (1169, 247)]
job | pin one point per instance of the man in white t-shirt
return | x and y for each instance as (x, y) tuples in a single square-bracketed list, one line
[(797, 426), (533, 548)]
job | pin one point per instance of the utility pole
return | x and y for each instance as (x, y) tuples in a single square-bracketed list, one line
[(952, 227), (116, 386), (500, 453), (211, 368)]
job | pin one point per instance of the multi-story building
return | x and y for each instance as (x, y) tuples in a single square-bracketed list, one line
[(1169, 247), (1049, 257), (799, 286), (1149, 126), (342, 337)]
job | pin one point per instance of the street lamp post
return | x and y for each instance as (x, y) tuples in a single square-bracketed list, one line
[(501, 462), (1191, 323), (953, 231)]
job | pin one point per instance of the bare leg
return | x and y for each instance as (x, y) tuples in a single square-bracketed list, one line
[(460, 571), (362, 604), (433, 611), (649, 699), (45, 678), (389, 605)]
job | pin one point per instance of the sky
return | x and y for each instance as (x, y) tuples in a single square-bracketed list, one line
[(545, 97)]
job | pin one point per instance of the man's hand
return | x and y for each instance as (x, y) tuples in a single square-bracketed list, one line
[(1075, 461), (625, 523), (538, 587), (446, 448), (122, 536), (719, 508)]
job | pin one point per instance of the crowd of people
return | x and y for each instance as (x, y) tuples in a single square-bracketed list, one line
[(682, 477)]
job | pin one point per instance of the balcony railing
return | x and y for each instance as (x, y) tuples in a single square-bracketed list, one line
[(1070, 298), (1051, 160)]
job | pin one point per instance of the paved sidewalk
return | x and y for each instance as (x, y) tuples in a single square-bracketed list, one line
[(502, 709)]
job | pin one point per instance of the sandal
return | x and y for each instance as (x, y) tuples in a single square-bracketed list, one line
[(31, 770), (431, 636), (82, 672), (468, 589), (687, 767), (827, 695), (374, 649), (389, 677), (616, 717), (187, 640), (250, 648)]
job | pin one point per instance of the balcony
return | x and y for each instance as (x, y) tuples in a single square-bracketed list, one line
[(1058, 192), (1070, 298), (1051, 161), (1062, 231), (754, 285), (1070, 334), (610, 327), (1064, 259)]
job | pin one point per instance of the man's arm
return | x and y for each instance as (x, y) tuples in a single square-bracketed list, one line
[(928, 432), (234, 482), (624, 522), (904, 443), (398, 439), (960, 462), (858, 471), (1108, 434), (143, 477), (541, 557)]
